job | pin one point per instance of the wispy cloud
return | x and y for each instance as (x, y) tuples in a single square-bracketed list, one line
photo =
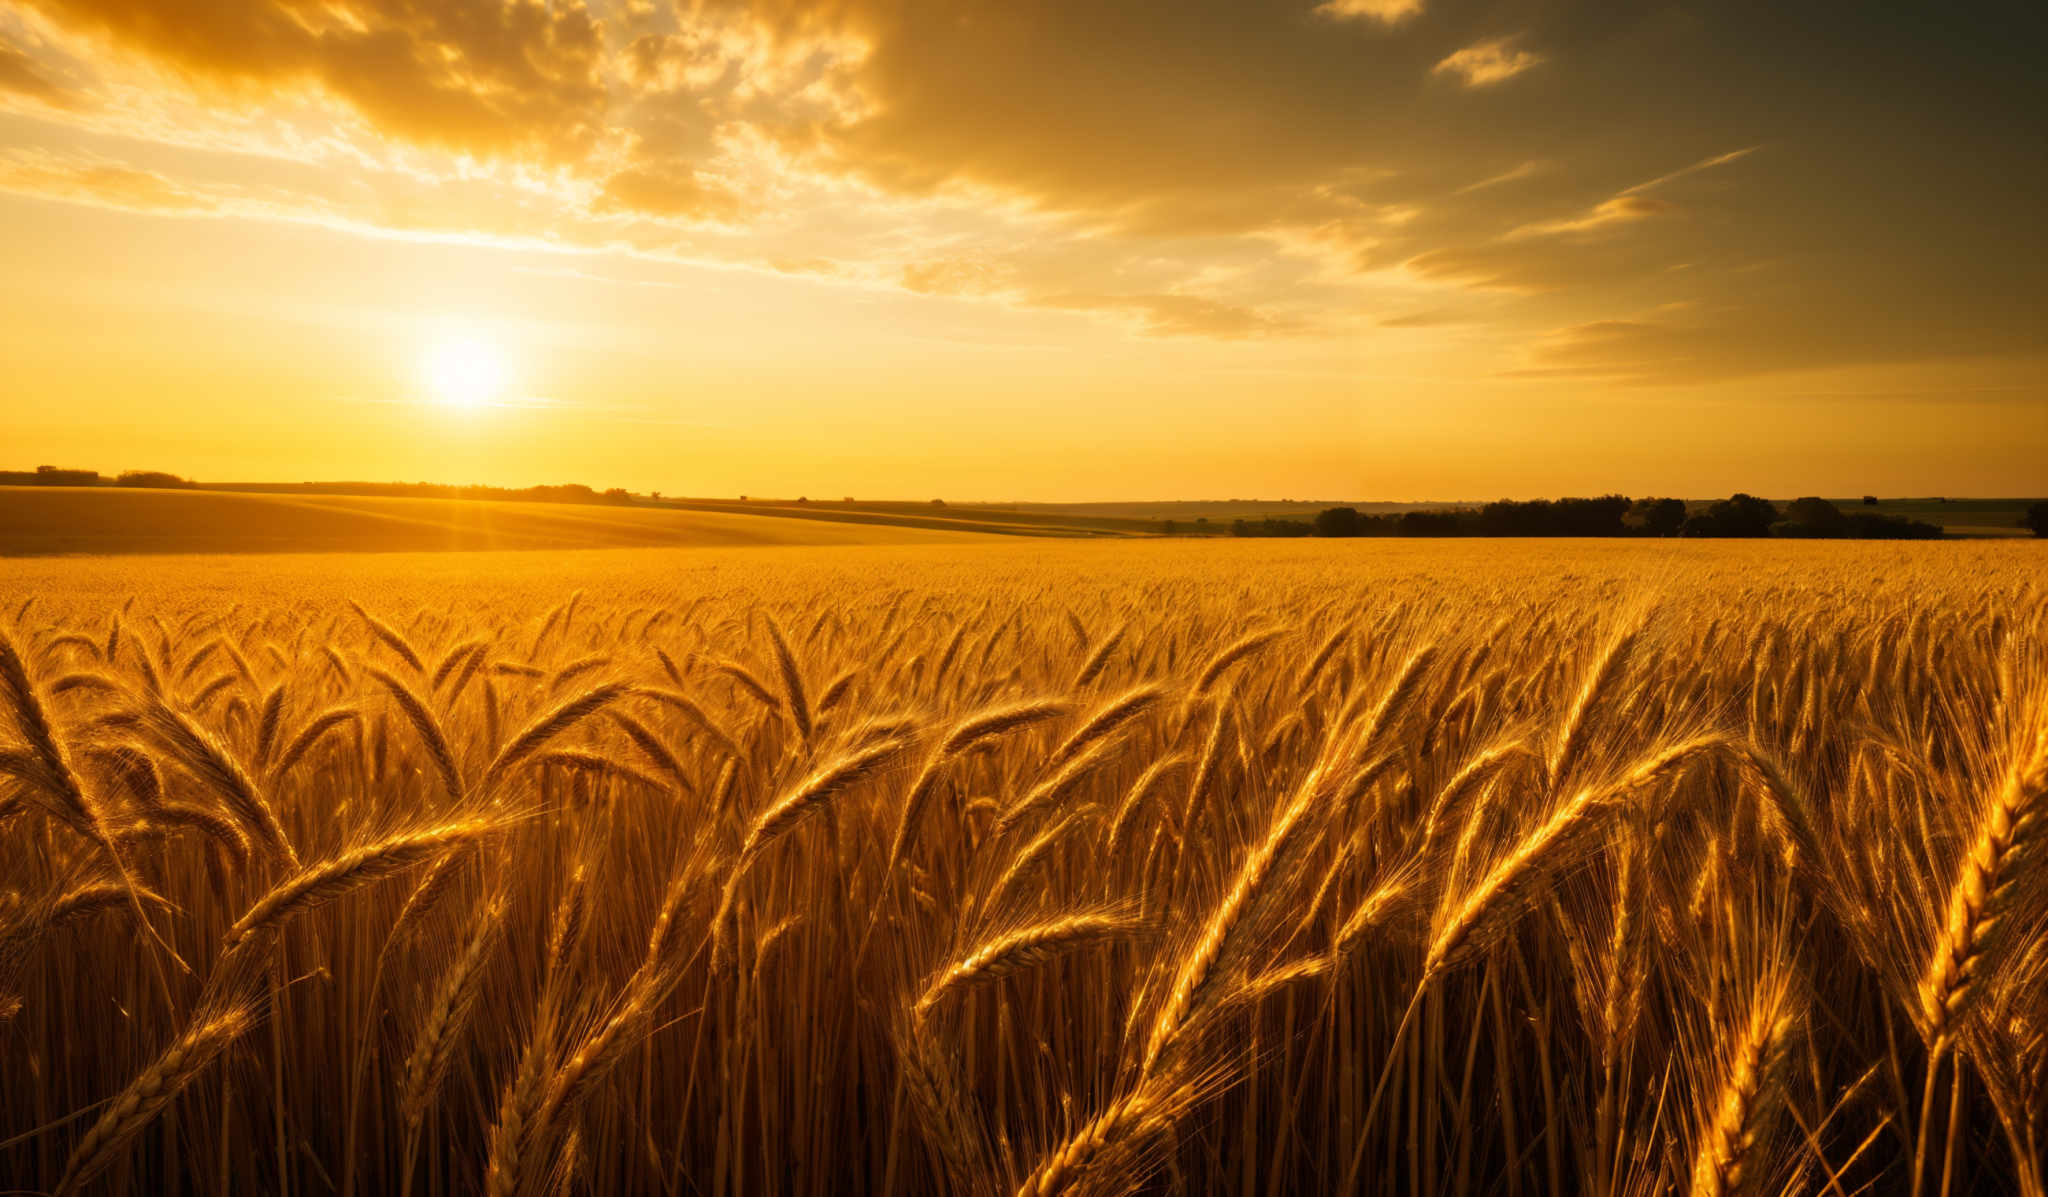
[(100, 184), (1385, 12), (1626, 208), (1527, 170), (20, 74), (1170, 315), (1695, 168), (1488, 63)]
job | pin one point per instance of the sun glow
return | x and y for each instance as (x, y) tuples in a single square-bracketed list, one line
[(464, 371)]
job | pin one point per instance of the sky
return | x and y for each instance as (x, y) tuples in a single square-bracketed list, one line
[(1030, 249)]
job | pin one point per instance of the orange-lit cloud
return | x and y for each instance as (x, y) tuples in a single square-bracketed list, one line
[(20, 76), (1488, 62), (102, 184), (1387, 12), (1181, 315), (1626, 208)]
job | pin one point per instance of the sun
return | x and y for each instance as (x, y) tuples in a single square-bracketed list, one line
[(464, 371)]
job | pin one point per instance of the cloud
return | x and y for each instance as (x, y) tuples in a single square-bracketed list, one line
[(1239, 171), (1538, 265), (101, 184), (1514, 174), (1703, 164), (20, 75), (666, 192), (1622, 350), (1625, 208), (491, 79), (1488, 62), (1386, 12), (1168, 315), (1434, 318), (955, 276)]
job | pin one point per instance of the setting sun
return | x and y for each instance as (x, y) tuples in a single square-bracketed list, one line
[(463, 371)]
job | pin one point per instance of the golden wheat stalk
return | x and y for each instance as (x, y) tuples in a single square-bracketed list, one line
[(1755, 1061), (970, 733), (939, 1101), (651, 745), (1203, 967), (1107, 718), (1053, 788), (1231, 654), (303, 741), (800, 802), (347, 871), (271, 715), (1024, 948), (445, 1018), (678, 701), (208, 758), (1134, 799), (792, 678), (427, 727), (2005, 856), (138, 1105), (46, 766), (547, 726), (1572, 730), (390, 637)]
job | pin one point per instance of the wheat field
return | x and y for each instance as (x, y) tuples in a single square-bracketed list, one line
[(1170, 868)]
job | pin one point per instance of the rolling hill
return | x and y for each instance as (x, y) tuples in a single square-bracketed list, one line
[(46, 521)]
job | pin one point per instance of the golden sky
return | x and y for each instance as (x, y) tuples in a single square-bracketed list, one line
[(1064, 249)]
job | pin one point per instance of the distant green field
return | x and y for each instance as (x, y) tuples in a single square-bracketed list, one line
[(963, 517), (1188, 517), (1959, 517)]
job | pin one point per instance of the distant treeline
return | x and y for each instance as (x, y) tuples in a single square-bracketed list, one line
[(1610, 515), (52, 476), (572, 492)]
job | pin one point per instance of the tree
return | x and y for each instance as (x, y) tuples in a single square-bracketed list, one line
[(1655, 517), (1739, 515), (53, 476), (2036, 518), (1337, 521), (1872, 525), (1429, 523), (151, 479), (1870, 500), (1813, 516)]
